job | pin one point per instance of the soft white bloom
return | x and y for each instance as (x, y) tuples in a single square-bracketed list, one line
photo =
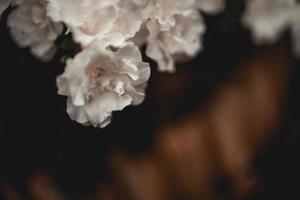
[(267, 19), (113, 22), (30, 27), (99, 81), (175, 30), (162, 12), (165, 10), (183, 38), (211, 6)]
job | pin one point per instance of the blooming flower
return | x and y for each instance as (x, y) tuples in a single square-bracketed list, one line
[(165, 46), (176, 29), (211, 6), (30, 27), (267, 19), (109, 74), (99, 81), (112, 22), (164, 11)]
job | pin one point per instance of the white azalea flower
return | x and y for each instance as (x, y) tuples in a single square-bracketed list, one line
[(267, 19), (166, 46), (176, 29), (164, 11), (30, 27), (211, 6), (112, 22), (99, 81)]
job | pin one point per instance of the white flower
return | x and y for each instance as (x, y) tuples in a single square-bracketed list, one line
[(166, 46), (30, 27), (99, 81), (113, 22), (165, 10), (211, 6), (267, 19), (175, 30)]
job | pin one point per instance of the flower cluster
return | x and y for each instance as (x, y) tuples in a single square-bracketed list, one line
[(268, 19), (108, 74)]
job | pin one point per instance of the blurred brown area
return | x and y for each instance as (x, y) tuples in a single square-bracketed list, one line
[(202, 152)]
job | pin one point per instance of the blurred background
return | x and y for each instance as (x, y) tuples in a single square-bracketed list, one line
[(226, 125)]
